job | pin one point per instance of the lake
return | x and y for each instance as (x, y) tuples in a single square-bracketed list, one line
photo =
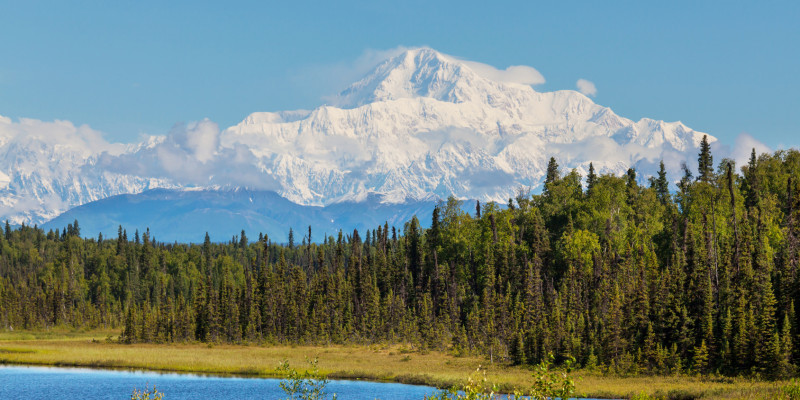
[(33, 383)]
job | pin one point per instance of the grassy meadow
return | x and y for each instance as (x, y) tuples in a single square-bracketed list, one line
[(381, 363)]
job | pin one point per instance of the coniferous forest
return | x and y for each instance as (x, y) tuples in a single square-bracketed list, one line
[(625, 274)]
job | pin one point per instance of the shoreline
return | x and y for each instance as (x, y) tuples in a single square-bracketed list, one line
[(239, 375), (376, 363)]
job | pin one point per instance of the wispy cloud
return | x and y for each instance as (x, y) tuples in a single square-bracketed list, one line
[(586, 87), (521, 74), (328, 79)]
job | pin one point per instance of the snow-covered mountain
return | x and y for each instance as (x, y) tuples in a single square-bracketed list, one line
[(47, 168), (422, 125)]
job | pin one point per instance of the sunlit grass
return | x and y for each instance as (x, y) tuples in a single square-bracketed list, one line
[(57, 334), (675, 387), (382, 363)]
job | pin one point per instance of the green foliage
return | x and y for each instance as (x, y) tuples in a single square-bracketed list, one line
[(643, 396), (308, 385), (476, 388), (547, 384), (791, 391), (700, 360)]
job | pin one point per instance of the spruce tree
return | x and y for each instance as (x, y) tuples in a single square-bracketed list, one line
[(517, 349), (662, 184), (705, 162), (768, 343), (700, 358), (591, 179), (129, 332), (751, 186), (786, 358), (552, 175)]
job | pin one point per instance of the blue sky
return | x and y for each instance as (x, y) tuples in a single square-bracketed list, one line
[(127, 67)]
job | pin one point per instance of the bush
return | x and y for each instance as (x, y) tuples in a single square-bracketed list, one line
[(476, 389), (309, 385), (548, 384), (147, 394)]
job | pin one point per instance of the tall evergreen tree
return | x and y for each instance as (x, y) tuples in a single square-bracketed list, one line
[(705, 162), (752, 182), (661, 184), (553, 173), (768, 350), (591, 179)]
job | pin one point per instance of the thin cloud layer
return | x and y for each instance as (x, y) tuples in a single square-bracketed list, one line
[(586, 87), (329, 79)]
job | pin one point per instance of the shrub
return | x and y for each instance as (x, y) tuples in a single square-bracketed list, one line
[(309, 385), (147, 394), (548, 384)]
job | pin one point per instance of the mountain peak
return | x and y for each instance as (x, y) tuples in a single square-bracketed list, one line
[(417, 72)]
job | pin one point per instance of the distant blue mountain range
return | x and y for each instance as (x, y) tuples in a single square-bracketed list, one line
[(186, 215)]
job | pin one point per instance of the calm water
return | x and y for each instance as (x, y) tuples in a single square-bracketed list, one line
[(32, 383)]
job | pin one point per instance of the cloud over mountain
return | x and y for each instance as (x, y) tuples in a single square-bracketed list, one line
[(521, 74), (586, 87)]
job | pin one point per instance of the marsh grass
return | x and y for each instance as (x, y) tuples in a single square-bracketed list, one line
[(57, 334), (393, 363)]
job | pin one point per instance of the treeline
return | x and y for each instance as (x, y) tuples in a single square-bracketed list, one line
[(620, 274)]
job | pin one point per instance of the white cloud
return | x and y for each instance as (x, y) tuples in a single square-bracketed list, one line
[(608, 156), (586, 87), (739, 151), (192, 155), (201, 138), (521, 74), (81, 139), (744, 145), (44, 151)]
